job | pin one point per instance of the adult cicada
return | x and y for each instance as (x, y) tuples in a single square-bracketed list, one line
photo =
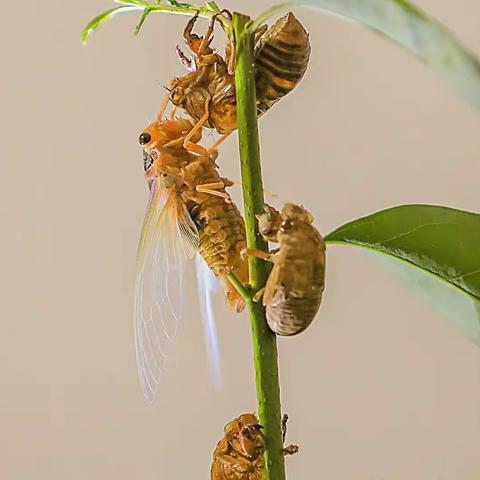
[(189, 214)]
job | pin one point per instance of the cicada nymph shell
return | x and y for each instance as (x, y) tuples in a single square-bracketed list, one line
[(239, 454), (208, 93), (189, 213), (293, 292)]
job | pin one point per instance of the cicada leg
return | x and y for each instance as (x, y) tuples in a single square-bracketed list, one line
[(290, 450), (231, 59), (207, 39), (258, 296), (253, 252), (284, 426), (199, 45), (192, 40), (219, 141), (184, 60), (189, 145), (260, 32), (212, 189), (173, 112)]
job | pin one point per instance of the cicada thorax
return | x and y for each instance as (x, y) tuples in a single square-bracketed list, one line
[(212, 88), (281, 59), (294, 289)]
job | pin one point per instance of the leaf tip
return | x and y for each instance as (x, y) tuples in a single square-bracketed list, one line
[(85, 36)]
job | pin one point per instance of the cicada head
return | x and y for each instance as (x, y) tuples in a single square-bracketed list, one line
[(179, 88), (244, 435), (164, 136), (294, 212), (191, 93), (269, 223), (250, 437), (294, 218)]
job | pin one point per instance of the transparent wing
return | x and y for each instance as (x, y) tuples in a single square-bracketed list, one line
[(207, 285), (168, 239)]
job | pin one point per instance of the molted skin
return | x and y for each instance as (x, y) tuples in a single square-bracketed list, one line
[(281, 54), (239, 454), (294, 289), (220, 226)]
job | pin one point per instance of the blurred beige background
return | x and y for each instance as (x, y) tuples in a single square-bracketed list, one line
[(379, 388)]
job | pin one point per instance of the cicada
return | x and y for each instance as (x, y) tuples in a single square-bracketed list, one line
[(189, 214), (208, 93), (239, 454), (294, 289)]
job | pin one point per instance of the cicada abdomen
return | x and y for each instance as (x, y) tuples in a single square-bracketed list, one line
[(281, 59), (294, 288), (222, 237)]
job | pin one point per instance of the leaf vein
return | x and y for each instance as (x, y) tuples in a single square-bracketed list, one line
[(415, 229)]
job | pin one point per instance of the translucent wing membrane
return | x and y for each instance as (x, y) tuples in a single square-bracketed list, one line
[(168, 239), (207, 286)]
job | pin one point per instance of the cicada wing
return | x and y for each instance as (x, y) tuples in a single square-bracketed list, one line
[(169, 238), (207, 285)]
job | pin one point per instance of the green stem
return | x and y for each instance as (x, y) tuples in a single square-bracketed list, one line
[(244, 291), (264, 341)]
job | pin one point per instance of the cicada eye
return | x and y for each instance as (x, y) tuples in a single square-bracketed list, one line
[(176, 96), (144, 138)]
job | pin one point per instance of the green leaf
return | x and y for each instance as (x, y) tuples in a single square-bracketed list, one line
[(145, 13), (138, 3), (212, 6), (435, 249), (408, 26), (174, 3), (101, 19)]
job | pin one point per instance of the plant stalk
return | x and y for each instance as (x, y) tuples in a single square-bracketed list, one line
[(264, 340)]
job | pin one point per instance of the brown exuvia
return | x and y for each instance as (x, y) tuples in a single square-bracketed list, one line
[(207, 93), (239, 454), (293, 292)]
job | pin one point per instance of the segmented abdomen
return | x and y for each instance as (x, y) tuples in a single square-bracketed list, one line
[(281, 59), (288, 314), (222, 236), (296, 282)]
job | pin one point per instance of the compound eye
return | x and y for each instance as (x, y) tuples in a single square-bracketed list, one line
[(177, 95), (144, 138)]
